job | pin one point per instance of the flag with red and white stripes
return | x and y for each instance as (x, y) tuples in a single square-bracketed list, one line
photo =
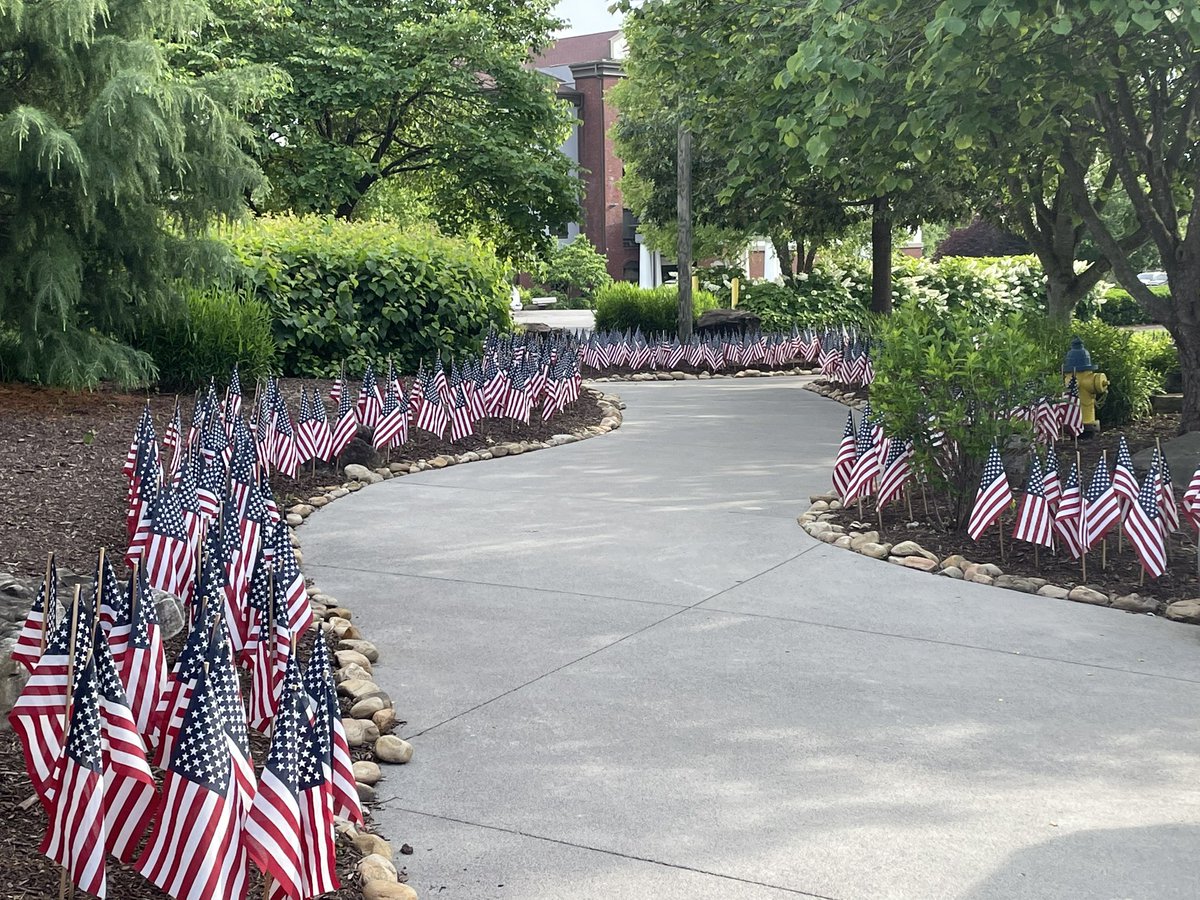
[(1068, 518), (39, 622), (138, 653), (897, 470), (195, 851), (346, 426), (1034, 518), (1144, 529), (1072, 411), (1167, 509), (843, 464), (75, 837), (1101, 508), (993, 497), (322, 703), (1125, 482), (1050, 480)]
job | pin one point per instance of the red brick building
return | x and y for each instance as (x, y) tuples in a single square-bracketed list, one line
[(587, 67)]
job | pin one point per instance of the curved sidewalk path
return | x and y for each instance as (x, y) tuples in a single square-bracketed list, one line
[(629, 674)]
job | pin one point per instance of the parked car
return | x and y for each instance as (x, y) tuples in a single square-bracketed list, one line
[(1153, 279)]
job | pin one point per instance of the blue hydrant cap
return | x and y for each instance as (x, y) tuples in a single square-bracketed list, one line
[(1078, 359)]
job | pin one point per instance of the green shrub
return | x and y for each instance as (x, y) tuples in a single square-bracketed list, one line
[(938, 370), (813, 299), (1158, 353), (573, 273), (216, 329), (356, 291), (621, 305), (1116, 306), (1117, 354)]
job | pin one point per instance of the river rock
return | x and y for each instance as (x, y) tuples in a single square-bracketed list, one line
[(1136, 603), (918, 562), (357, 688), (385, 719), (875, 551), (952, 572), (1054, 592), (363, 648), (956, 560), (369, 844), (366, 772), (352, 657), (360, 732), (1016, 583), (1083, 594), (366, 793), (1185, 611), (376, 868), (391, 749), (385, 890), (912, 548), (303, 510), (355, 472), (366, 707), (870, 537)]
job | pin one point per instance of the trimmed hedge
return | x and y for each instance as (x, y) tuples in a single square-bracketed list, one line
[(349, 292), (622, 306), (214, 331), (1116, 306)]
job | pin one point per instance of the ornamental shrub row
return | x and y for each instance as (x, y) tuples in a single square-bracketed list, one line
[(350, 292), (621, 306)]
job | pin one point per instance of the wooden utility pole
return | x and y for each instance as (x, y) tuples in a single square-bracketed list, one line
[(684, 218)]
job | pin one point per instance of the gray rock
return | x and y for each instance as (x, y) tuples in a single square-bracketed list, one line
[(1136, 603), (1053, 591), (875, 551), (1185, 611), (952, 572), (1083, 594), (1016, 583), (391, 749), (355, 472)]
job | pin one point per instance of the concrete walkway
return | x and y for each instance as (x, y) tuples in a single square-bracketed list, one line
[(629, 674)]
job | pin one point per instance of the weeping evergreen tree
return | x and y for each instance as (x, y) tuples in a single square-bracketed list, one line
[(112, 165)]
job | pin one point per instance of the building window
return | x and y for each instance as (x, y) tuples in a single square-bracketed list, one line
[(629, 227), (632, 271)]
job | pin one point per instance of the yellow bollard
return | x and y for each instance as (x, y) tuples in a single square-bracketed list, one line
[(734, 289)]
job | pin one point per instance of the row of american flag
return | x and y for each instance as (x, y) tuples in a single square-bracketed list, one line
[(1052, 511), (715, 351), (101, 708), (1055, 512)]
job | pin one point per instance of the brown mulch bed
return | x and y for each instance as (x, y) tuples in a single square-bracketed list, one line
[(61, 457), (1120, 576)]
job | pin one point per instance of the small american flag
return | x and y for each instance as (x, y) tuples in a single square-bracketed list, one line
[(461, 425), (867, 463), (195, 851), (317, 751), (393, 421), (1167, 509), (168, 559), (993, 497), (290, 591), (1191, 500), (370, 404), (1072, 416), (1125, 482), (1068, 518), (346, 427), (1050, 479), (1034, 518), (75, 837), (141, 663), (432, 416), (1102, 508), (322, 704), (1144, 529), (211, 488), (843, 465), (39, 621), (897, 470), (273, 835), (233, 395)]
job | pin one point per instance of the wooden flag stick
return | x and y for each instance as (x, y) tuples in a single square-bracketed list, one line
[(1037, 560), (1000, 533), (46, 598), (268, 881), (908, 501), (62, 881), (1082, 518), (1104, 555)]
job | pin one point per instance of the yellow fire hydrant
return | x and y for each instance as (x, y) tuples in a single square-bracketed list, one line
[(1092, 384)]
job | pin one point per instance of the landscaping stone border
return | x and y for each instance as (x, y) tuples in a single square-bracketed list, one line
[(817, 521), (833, 392)]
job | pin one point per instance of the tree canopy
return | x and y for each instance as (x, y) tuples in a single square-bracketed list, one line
[(112, 165), (435, 94)]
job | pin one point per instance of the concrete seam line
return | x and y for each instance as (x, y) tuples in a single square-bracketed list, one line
[(631, 856)]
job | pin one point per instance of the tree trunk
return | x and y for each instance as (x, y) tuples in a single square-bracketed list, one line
[(1060, 297), (1187, 340), (684, 218), (783, 250), (881, 257)]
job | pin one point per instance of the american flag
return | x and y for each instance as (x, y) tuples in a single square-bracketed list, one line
[(227, 691), (322, 704), (290, 591), (1191, 500), (432, 415), (38, 713), (176, 697), (1051, 480), (285, 455), (173, 439), (867, 462), (233, 395), (1045, 422), (273, 835), (1144, 529), (461, 425), (195, 851), (1167, 509), (1101, 508), (897, 470), (268, 649), (75, 837), (318, 752), (346, 427), (1125, 482), (1072, 415), (1068, 519), (1034, 518), (143, 488), (843, 465), (211, 488), (143, 435), (305, 429), (370, 403), (141, 663), (393, 421), (335, 392), (129, 787), (169, 558), (40, 620), (214, 440), (993, 497)]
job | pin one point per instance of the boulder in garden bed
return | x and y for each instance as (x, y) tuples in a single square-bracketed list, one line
[(739, 320)]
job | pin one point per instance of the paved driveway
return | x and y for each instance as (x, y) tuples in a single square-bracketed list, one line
[(628, 674)]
